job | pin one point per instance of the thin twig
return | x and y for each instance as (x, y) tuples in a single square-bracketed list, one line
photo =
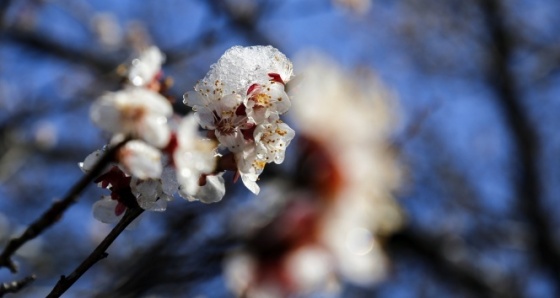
[(15, 286), (55, 212), (99, 253)]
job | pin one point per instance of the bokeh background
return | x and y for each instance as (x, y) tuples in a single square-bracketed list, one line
[(477, 84)]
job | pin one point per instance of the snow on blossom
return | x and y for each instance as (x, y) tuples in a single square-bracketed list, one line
[(243, 90), (145, 68), (134, 111), (241, 67)]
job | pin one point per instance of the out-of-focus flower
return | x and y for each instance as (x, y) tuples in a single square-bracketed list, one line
[(243, 91), (329, 230), (107, 29), (360, 7), (194, 157), (134, 111), (140, 160), (146, 68)]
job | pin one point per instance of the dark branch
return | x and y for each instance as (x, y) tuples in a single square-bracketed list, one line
[(99, 253), (36, 42), (525, 138), (15, 286), (57, 209)]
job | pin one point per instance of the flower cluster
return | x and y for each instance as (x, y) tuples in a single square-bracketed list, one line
[(240, 102), (330, 229), (162, 155)]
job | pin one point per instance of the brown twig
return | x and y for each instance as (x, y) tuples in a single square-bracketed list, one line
[(55, 212), (15, 286), (99, 253)]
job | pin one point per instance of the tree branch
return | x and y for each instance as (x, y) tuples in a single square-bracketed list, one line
[(15, 286), (525, 139), (99, 253), (433, 251), (55, 212)]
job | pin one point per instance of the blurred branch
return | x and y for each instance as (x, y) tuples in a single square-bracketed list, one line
[(39, 42), (57, 209), (245, 23), (433, 251), (99, 253), (525, 138), (15, 286)]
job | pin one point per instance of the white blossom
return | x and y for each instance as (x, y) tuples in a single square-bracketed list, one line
[(212, 191), (272, 139), (146, 67), (193, 157), (238, 99), (149, 194), (140, 160), (104, 210), (262, 101), (134, 111), (250, 167), (219, 113)]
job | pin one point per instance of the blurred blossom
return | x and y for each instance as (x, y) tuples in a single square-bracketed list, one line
[(165, 156), (108, 30), (140, 160), (330, 229), (136, 111), (194, 157), (147, 67), (46, 135), (357, 6)]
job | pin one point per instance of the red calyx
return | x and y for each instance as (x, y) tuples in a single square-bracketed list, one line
[(253, 87), (171, 147), (274, 77), (119, 184)]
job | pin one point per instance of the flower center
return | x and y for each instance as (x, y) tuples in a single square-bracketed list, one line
[(226, 127), (133, 113)]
